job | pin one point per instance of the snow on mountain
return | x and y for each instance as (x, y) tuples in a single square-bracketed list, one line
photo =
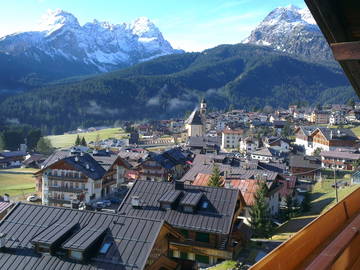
[(292, 30), (103, 45)]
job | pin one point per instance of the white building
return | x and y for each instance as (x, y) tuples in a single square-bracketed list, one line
[(230, 139), (337, 118)]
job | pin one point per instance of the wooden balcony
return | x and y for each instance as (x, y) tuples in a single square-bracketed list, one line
[(201, 248), (66, 178), (67, 189)]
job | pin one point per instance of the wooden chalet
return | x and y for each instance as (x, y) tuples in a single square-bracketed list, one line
[(205, 216)]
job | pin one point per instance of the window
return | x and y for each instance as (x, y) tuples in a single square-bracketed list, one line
[(202, 237), (185, 233), (183, 255), (202, 258), (105, 248), (77, 255)]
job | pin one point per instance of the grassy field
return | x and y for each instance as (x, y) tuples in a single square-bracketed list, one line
[(322, 198), (226, 265), (18, 183), (356, 130), (67, 140)]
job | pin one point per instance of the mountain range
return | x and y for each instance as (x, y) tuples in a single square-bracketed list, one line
[(61, 47), (249, 75)]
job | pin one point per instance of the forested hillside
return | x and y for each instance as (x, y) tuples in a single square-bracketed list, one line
[(238, 75)]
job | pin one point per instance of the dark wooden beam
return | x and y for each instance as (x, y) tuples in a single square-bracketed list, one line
[(346, 50)]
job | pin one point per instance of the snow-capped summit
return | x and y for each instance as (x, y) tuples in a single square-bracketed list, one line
[(101, 45), (293, 30), (55, 19)]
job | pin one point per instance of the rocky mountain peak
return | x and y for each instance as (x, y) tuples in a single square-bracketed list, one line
[(293, 30)]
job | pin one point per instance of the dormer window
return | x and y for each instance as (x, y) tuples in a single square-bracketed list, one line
[(77, 255)]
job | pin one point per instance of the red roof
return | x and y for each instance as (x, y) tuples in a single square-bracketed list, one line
[(287, 186), (202, 179), (248, 188)]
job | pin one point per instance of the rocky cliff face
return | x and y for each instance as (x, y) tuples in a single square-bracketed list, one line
[(291, 30)]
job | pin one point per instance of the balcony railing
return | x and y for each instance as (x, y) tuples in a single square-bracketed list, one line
[(62, 201), (66, 178), (67, 189)]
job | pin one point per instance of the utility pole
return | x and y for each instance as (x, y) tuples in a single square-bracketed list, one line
[(335, 183)]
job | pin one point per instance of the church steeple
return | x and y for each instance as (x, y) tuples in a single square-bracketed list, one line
[(203, 107)]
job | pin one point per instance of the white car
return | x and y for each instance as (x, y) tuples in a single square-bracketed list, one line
[(33, 198)]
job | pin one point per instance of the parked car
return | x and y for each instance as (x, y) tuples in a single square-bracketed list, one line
[(107, 202), (33, 198), (114, 200), (99, 205)]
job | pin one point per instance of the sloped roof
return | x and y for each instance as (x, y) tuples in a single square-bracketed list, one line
[(217, 218), (248, 188), (132, 238), (194, 118), (337, 133)]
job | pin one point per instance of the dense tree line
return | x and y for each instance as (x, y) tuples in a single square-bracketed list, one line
[(12, 136)]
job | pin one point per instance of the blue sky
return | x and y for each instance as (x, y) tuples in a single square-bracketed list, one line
[(192, 25)]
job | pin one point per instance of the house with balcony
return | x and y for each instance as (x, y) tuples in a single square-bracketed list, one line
[(171, 164), (327, 139), (207, 217), (339, 160), (67, 177)]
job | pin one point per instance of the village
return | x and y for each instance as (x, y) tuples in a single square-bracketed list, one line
[(231, 185)]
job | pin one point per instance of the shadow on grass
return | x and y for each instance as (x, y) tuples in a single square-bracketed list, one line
[(318, 206), (316, 195), (295, 225)]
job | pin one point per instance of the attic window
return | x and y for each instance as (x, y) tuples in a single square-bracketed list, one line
[(205, 205), (105, 248)]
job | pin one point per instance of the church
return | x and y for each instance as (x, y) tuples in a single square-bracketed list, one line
[(195, 124)]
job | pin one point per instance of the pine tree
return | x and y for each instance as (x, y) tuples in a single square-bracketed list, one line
[(260, 214), (215, 179), (44, 146), (289, 207), (78, 140), (2, 142), (83, 142)]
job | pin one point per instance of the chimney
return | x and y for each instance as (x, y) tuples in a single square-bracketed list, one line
[(135, 202), (76, 159), (2, 240), (82, 154), (331, 134), (179, 185), (87, 166)]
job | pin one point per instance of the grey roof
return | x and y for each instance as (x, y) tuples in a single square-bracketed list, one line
[(300, 161), (131, 238), (266, 151), (340, 154), (87, 165), (194, 118), (55, 156), (338, 133), (307, 130), (105, 161), (9, 154), (217, 218)]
